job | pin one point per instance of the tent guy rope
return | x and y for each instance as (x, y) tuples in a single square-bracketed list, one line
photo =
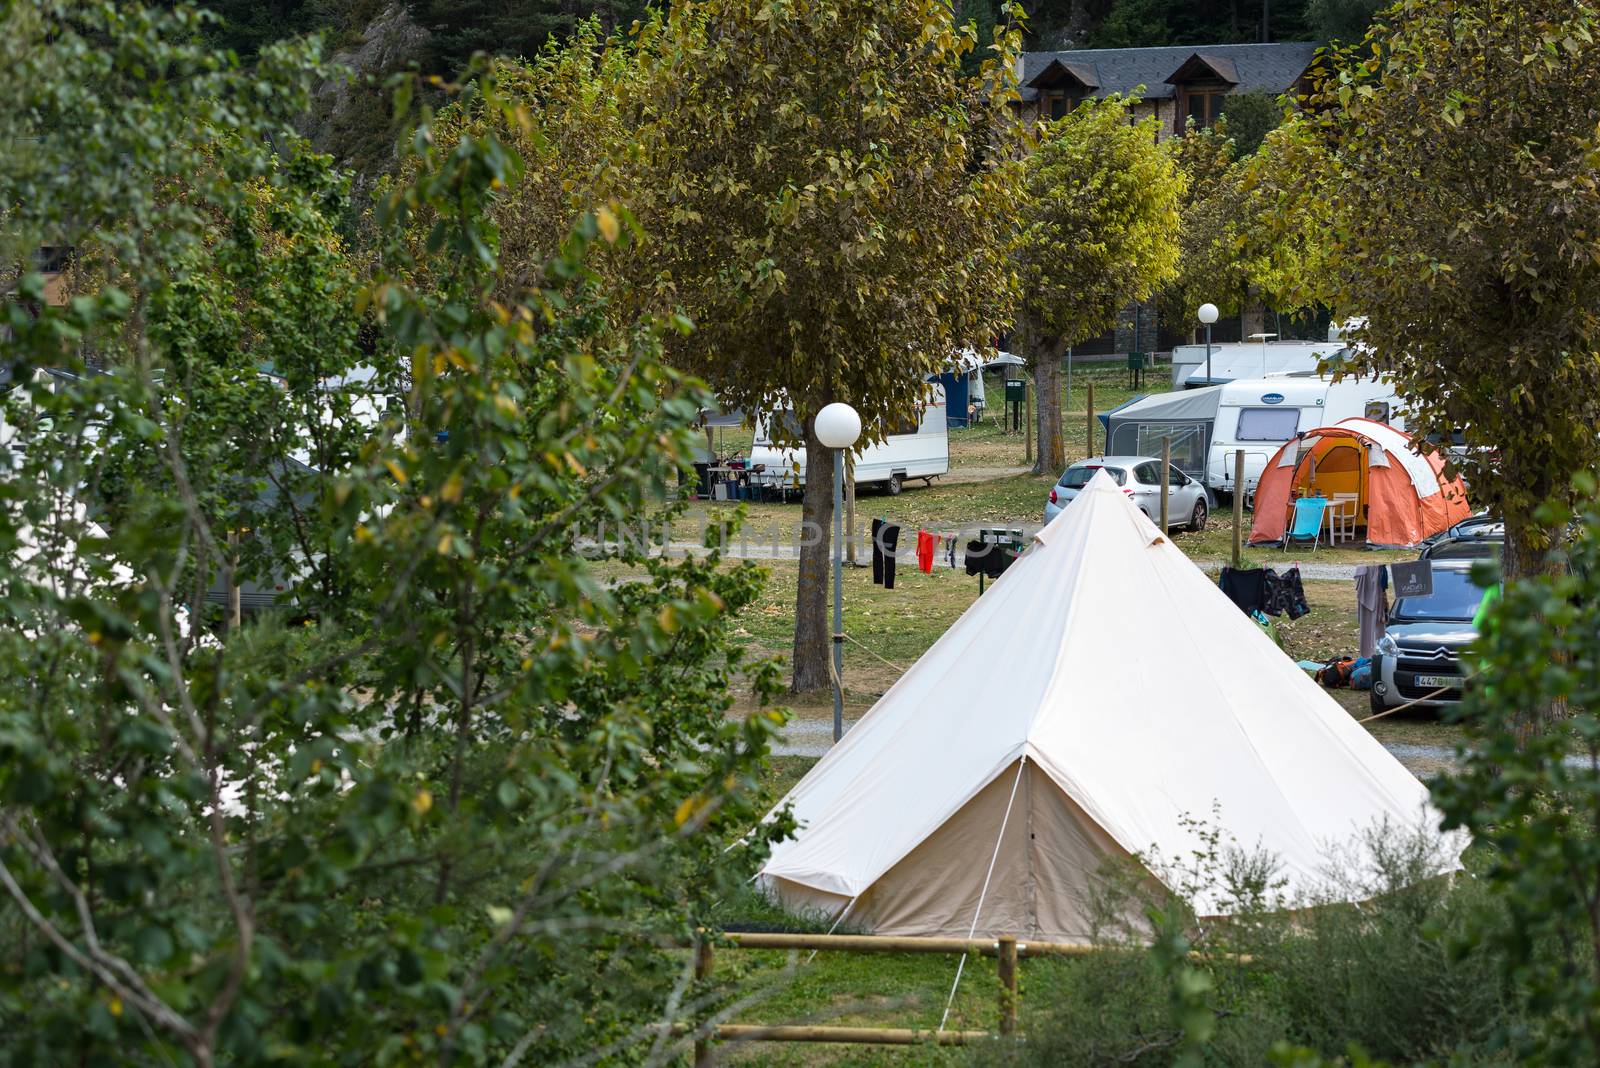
[(978, 911)]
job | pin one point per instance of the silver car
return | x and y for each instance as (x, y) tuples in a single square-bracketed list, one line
[(1140, 479)]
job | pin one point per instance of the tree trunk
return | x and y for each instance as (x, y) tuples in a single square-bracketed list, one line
[(1527, 555), (811, 634), (1052, 455)]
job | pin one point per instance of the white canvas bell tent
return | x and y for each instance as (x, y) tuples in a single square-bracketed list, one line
[(1128, 699)]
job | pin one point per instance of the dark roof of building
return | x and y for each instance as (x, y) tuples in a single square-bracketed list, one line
[(1249, 68)]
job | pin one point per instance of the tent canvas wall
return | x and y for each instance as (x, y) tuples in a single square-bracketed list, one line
[(1187, 417), (1402, 494), (1135, 699)]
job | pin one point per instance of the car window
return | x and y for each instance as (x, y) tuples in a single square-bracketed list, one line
[(1465, 549), (1268, 424), (1078, 477), (1174, 476), (1148, 474), (1455, 598)]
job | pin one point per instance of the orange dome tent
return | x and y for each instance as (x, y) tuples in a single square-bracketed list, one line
[(1402, 495)]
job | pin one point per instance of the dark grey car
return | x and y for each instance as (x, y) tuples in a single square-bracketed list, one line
[(1419, 656)]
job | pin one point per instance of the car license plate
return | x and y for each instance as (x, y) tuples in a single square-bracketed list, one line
[(1439, 682)]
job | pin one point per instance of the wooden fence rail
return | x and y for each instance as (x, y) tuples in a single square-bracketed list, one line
[(1007, 949)]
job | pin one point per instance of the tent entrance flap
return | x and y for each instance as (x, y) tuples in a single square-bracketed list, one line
[(1048, 872)]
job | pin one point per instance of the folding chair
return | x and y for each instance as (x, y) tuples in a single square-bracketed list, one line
[(1344, 512), (1306, 522)]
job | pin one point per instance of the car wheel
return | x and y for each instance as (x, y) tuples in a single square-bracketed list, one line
[(893, 485), (1197, 520), (1375, 702)]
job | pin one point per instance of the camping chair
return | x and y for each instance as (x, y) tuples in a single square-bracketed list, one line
[(1344, 511), (1306, 522)]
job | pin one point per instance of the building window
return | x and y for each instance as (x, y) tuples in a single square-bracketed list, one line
[(1059, 104), (1204, 108)]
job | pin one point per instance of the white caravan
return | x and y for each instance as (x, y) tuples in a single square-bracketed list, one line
[(915, 450), (1259, 414)]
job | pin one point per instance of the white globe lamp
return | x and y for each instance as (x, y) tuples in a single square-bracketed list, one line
[(838, 425), (1208, 315)]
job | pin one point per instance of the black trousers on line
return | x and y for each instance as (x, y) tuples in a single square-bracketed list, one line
[(885, 540)]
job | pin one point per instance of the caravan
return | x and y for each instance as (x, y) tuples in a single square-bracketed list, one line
[(919, 449), (1258, 415), (1205, 427)]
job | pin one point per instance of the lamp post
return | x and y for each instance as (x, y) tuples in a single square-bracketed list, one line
[(838, 426), (1208, 315)]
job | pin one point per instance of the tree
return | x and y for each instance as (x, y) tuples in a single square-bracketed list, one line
[(1250, 117), (1533, 796), (426, 820), (829, 209), (520, 28), (1341, 20), (1456, 151), (818, 187), (1099, 228), (1210, 267)]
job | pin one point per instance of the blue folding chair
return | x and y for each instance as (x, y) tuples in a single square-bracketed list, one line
[(1306, 523)]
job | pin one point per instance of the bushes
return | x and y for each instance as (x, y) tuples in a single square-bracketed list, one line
[(1389, 977)]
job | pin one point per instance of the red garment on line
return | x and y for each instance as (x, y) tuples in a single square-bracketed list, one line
[(925, 544)]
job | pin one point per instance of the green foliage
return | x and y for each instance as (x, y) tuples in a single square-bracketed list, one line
[(1210, 267), (1533, 790), (1143, 23), (1341, 20), (830, 192), (522, 28), (1384, 979), (463, 811), (819, 187), (1250, 117), (1098, 227), (1099, 221), (1456, 151)]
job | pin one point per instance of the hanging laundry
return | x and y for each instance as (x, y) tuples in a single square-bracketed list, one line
[(885, 542), (949, 542), (1372, 605), (1284, 594), (1244, 587), (925, 552), (988, 558)]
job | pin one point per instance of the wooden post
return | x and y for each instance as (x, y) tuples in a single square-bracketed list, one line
[(1166, 487), (1008, 985), (1089, 418), (1238, 504), (702, 972)]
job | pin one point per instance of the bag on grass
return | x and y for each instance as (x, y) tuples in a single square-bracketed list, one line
[(1335, 674), (1361, 674)]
